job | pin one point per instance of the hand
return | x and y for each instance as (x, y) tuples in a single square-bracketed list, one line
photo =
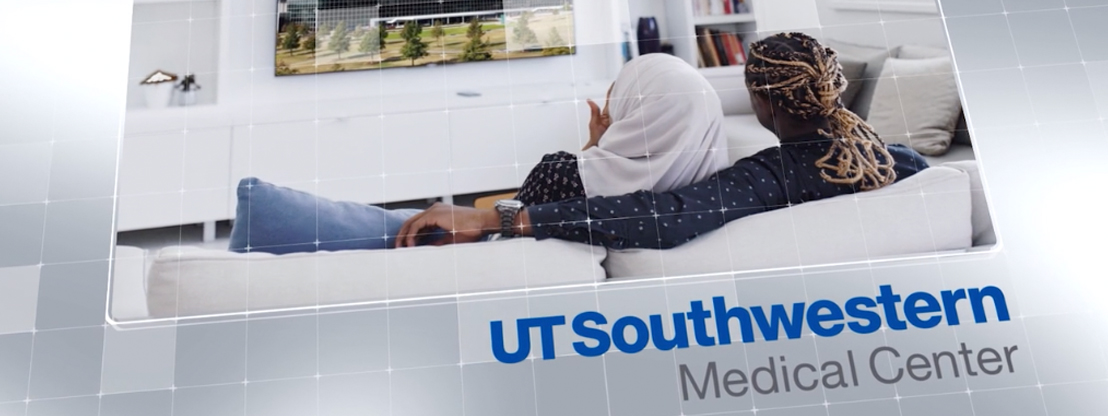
[(462, 225), (598, 124)]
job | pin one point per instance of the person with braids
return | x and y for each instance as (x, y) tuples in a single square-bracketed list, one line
[(825, 150)]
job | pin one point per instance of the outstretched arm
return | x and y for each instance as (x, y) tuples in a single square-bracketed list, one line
[(638, 220)]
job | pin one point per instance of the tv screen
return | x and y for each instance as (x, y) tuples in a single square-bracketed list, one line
[(317, 36)]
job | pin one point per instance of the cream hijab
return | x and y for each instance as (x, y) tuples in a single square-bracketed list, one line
[(666, 130)]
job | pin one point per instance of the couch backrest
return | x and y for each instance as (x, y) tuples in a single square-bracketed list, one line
[(927, 213), (732, 93), (983, 232)]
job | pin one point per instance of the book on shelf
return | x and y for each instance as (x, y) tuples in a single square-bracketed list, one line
[(719, 7), (718, 48)]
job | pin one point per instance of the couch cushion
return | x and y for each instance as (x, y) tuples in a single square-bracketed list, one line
[(924, 214), (188, 281), (854, 72), (910, 51), (956, 153), (874, 58), (746, 136), (916, 104)]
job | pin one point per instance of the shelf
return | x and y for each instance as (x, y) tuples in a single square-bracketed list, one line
[(723, 19), (723, 71)]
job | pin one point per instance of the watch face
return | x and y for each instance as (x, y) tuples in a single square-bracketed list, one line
[(509, 203)]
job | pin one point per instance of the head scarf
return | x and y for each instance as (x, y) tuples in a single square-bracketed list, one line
[(666, 130)]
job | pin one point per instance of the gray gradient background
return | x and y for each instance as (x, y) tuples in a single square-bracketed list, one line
[(1035, 80)]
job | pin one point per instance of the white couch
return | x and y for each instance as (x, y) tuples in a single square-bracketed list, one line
[(938, 211)]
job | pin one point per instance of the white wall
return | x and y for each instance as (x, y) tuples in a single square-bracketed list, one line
[(865, 27), (825, 19), (181, 37)]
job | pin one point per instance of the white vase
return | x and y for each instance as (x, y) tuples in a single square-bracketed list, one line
[(186, 98), (158, 95)]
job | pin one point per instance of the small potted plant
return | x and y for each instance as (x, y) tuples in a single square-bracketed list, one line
[(158, 88), (187, 90)]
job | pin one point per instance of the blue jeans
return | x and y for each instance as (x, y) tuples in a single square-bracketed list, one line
[(279, 220)]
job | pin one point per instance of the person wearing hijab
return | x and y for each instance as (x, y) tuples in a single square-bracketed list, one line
[(660, 129)]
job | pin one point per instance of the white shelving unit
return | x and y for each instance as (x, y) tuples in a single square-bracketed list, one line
[(724, 19), (680, 26)]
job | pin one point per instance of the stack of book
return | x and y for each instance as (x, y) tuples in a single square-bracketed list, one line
[(719, 48), (718, 7)]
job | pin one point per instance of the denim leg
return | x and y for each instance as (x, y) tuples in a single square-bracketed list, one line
[(279, 220)]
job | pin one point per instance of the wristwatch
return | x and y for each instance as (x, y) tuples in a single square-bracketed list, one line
[(508, 209)]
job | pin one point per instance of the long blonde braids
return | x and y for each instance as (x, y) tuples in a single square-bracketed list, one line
[(805, 79)]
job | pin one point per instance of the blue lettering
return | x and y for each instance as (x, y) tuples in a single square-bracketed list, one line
[(723, 324), (680, 332), (523, 344), (816, 319), (888, 301), (523, 335), (950, 304), (999, 304), (779, 318), (697, 315), (854, 310), (913, 308), (596, 334), (619, 333)]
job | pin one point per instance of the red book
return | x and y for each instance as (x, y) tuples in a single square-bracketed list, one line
[(729, 46), (742, 49), (737, 47)]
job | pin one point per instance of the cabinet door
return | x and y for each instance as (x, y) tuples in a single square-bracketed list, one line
[(482, 150), (416, 150), (151, 168), (207, 168), (174, 178), (280, 153), (547, 128), (351, 159)]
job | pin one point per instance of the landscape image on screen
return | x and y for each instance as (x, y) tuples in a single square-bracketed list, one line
[(317, 36)]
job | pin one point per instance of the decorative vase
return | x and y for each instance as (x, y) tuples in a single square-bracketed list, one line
[(187, 91), (158, 95), (157, 88)]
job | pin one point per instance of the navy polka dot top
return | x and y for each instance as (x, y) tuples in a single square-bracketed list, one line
[(773, 178)]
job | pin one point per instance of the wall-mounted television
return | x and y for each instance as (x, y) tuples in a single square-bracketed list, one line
[(318, 36)]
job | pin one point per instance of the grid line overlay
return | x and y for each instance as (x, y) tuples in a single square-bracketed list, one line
[(1008, 268)]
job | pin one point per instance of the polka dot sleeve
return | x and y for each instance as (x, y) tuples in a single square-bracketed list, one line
[(662, 220)]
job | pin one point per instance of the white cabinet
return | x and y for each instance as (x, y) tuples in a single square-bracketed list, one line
[(482, 150), (416, 155), (547, 128), (174, 178)]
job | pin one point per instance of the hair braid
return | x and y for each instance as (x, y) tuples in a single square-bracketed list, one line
[(805, 79)]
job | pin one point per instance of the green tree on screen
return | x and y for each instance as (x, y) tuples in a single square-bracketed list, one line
[(291, 40), (476, 49), (437, 31), (382, 34), (340, 39), (309, 43), (369, 44), (414, 46), (555, 45), (522, 33)]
